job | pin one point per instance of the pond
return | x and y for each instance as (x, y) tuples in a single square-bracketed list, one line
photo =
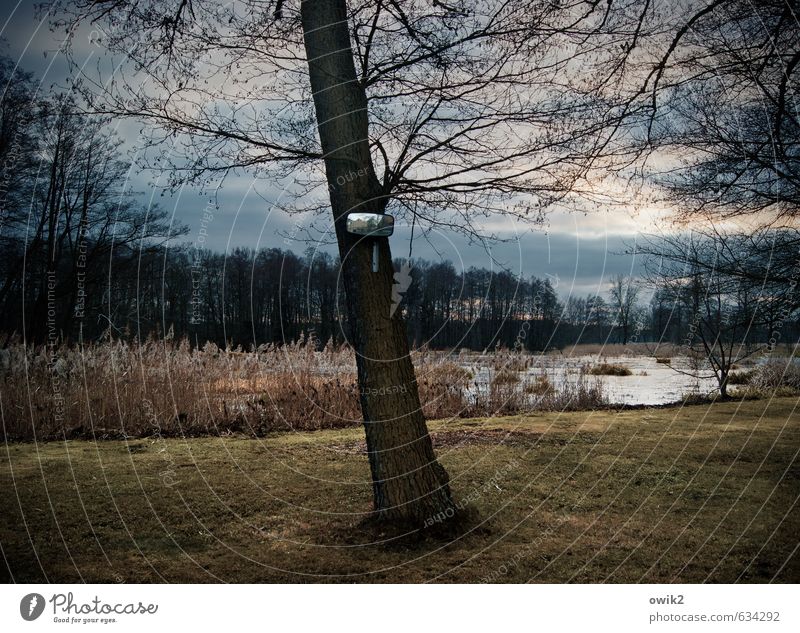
[(650, 383)]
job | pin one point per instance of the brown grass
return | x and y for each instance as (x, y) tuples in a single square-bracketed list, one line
[(776, 373), (510, 397), (609, 369), (442, 388), (690, 495), (740, 377), (617, 349), (506, 377), (117, 389), (540, 385)]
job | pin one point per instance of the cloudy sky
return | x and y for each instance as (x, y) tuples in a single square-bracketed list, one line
[(578, 252)]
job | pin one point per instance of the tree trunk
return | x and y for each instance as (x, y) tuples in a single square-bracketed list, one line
[(723, 384), (409, 485)]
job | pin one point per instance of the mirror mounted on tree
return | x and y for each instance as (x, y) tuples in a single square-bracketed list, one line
[(370, 224)]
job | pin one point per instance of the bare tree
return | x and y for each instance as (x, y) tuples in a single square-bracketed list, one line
[(78, 219), (723, 130), (624, 294), (724, 311), (447, 112)]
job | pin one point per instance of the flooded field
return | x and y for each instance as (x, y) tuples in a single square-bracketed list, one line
[(645, 380), (650, 383), (172, 389)]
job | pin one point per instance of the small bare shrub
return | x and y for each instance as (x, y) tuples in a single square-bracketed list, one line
[(776, 373), (740, 377), (540, 386), (575, 394), (443, 388), (609, 369), (505, 377), (502, 396), (753, 393)]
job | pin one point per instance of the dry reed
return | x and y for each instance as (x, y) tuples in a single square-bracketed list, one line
[(115, 389)]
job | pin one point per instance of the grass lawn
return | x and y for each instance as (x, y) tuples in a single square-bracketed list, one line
[(692, 494)]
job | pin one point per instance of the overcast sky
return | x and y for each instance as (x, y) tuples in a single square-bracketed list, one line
[(577, 252)]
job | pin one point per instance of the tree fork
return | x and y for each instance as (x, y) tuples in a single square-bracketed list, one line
[(409, 484)]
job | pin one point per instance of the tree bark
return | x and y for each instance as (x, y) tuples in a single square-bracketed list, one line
[(409, 485)]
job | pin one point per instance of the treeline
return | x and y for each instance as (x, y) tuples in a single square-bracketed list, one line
[(726, 295), (274, 296), (248, 297)]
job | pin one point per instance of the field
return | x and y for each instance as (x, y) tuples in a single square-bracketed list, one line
[(685, 494)]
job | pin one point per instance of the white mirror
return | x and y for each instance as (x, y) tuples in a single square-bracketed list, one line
[(372, 224)]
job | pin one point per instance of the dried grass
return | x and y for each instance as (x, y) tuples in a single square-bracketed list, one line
[(120, 389), (580, 393), (776, 373), (740, 377), (662, 350), (117, 389), (540, 386), (443, 387), (609, 369)]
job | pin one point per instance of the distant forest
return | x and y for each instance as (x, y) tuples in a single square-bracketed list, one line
[(248, 298)]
